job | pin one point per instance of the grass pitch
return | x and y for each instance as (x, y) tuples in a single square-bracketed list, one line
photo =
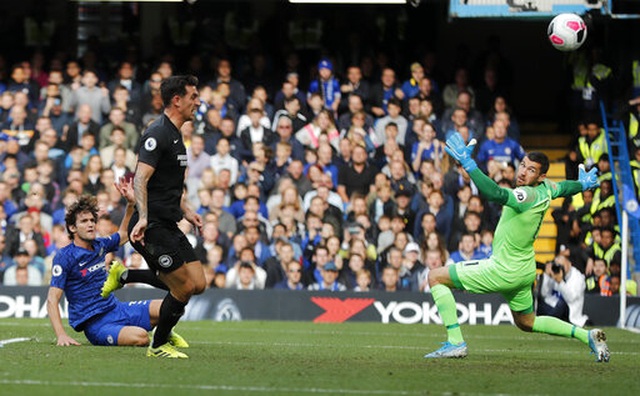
[(294, 358)]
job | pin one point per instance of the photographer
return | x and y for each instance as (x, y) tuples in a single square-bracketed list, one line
[(562, 292)]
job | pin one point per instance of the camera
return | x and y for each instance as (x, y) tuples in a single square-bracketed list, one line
[(557, 268)]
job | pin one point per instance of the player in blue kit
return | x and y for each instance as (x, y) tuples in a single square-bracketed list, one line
[(79, 272)]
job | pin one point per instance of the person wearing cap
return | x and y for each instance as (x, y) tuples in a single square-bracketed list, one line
[(327, 85), (22, 273), (329, 273)]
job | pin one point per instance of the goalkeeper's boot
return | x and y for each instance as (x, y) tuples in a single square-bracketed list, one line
[(598, 345), (174, 339), (113, 279), (449, 350), (166, 351)]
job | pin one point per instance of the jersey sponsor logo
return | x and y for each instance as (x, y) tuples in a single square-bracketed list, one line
[(91, 269), (165, 261), (520, 194), (150, 144), (56, 270), (182, 159)]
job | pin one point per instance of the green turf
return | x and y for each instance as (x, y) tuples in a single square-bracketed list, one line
[(290, 358)]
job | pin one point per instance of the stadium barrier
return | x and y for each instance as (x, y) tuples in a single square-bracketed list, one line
[(400, 307)]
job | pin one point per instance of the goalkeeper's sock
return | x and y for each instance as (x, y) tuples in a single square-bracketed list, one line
[(170, 312), (143, 276), (557, 327), (446, 304)]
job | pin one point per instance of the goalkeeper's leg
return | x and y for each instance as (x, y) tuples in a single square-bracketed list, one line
[(595, 338)]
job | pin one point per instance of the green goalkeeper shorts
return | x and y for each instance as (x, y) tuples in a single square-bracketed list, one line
[(488, 276)]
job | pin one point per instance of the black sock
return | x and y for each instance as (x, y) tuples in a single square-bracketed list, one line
[(143, 276), (170, 312)]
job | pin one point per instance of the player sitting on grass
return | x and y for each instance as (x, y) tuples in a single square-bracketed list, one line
[(79, 272), (511, 269)]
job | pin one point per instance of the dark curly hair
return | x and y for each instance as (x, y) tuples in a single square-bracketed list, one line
[(85, 203)]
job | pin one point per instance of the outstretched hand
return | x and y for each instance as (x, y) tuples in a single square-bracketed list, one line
[(589, 180), (461, 152), (125, 188)]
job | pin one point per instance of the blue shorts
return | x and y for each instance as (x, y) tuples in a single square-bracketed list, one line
[(104, 329)]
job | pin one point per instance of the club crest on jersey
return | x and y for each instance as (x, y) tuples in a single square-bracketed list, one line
[(165, 261), (520, 194), (150, 144)]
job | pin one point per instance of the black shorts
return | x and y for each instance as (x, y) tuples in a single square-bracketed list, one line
[(166, 248)]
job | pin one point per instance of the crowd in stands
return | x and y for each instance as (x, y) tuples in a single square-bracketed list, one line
[(339, 185)]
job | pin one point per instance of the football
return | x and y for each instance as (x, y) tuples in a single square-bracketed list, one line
[(567, 32)]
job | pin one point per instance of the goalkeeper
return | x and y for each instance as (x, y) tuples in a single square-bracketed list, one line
[(511, 270)]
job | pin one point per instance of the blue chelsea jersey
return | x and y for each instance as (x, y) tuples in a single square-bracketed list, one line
[(81, 273)]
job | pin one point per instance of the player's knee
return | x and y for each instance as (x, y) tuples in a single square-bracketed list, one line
[(524, 324), (142, 340), (199, 286), (434, 277)]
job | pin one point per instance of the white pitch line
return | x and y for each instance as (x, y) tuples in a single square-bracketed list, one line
[(14, 340), (232, 388)]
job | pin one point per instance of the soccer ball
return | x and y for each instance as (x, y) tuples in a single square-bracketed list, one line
[(567, 32)]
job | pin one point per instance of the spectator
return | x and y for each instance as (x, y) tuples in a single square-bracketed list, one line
[(382, 92), (355, 85), (394, 108), (293, 111), (277, 268), (246, 279), (501, 150), (118, 140), (411, 87), (89, 93), (329, 279), (460, 83), (117, 119), (599, 282), (562, 292), (466, 250), (363, 279), (389, 279), (84, 124), (237, 94), (327, 86), (256, 132), (592, 145), (22, 273), (125, 78), (355, 104), (293, 279), (358, 177), (321, 129)]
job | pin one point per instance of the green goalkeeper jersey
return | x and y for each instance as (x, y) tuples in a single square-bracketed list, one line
[(522, 215)]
